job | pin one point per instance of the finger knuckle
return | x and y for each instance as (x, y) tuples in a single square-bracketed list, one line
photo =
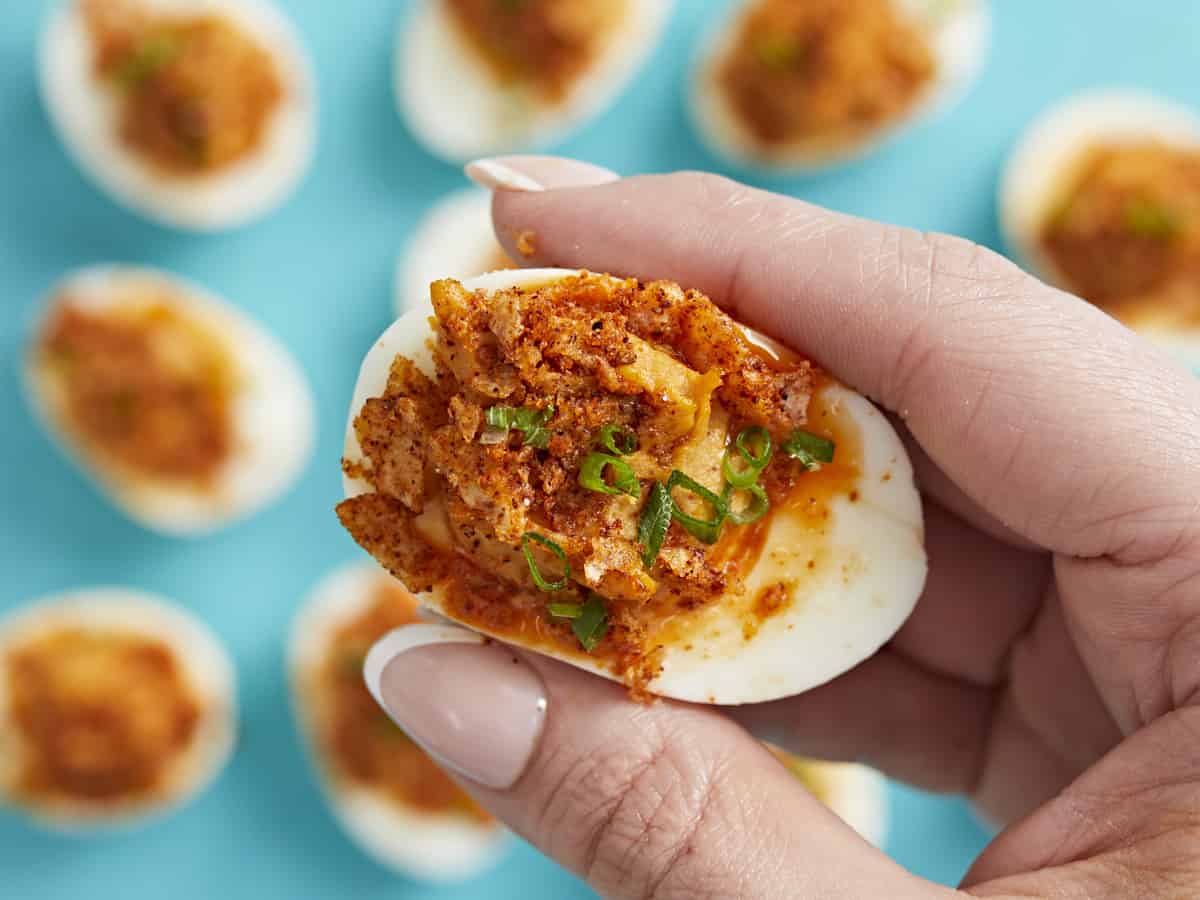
[(633, 816), (712, 191), (951, 279)]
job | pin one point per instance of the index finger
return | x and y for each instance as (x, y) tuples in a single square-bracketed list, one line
[(1026, 397)]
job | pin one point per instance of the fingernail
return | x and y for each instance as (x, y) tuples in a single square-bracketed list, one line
[(475, 707), (496, 176)]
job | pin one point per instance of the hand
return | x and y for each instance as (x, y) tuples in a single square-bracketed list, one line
[(1051, 669)]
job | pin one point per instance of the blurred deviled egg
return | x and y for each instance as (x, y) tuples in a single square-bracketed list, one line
[(856, 793), (186, 412), (475, 77), (803, 86), (389, 796), (115, 706), (199, 114), (1102, 197), (455, 240)]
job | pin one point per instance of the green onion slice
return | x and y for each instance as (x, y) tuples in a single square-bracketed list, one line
[(618, 440), (530, 421), (809, 449), (531, 537), (753, 463), (653, 525), (147, 59), (592, 624), (624, 481), (756, 434), (1146, 218), (706, 530), (778, 51), (759, 504), (565, 610)]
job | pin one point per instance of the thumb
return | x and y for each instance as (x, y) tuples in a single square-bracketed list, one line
[(660, 800)]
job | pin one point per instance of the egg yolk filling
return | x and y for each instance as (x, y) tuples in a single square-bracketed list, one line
[(824, 69), (1126, 234), (589, 460), (102, 716), (363, 744), (146, 390), (813, 774), (196, 94), (546, 44)]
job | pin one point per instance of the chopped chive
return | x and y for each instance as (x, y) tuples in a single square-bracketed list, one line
[(653, 525), (738, 478), (565, 610), (592, 624), (530, 421), (778, 51), (706, 530), (809, 449), (618, 440), (756, 434), (591, 475), (385, 726), (1145, 218), (754, 463), (759, 504), (151, 55), (541, 582)]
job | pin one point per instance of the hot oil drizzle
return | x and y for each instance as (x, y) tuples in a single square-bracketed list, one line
[(801, 497), (805, 495), (477, 598)]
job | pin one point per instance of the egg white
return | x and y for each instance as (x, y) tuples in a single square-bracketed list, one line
[(958, 31), (456, 109), (873, 557), (454, 240), (1041, 166), (272, 409), (85, 113), (413, 842), (203, 661)]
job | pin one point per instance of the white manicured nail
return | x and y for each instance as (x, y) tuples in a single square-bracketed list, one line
[(496, 176)]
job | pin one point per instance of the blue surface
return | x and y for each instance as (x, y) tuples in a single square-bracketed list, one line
[(318, 273)]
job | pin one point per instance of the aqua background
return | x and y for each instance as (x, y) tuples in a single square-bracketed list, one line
[(319, 274)]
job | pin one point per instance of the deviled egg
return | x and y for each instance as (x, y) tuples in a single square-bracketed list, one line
[(1102, 198), (856, 793), (389, 796), (476, 77), (618, 475), (115, 706), (200, 114), (186, 413), (802, 86), (454, 239)]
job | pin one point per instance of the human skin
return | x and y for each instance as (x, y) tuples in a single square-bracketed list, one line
[(1051, 669)]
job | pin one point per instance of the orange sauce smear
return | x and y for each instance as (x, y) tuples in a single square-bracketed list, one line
[(809, 494)]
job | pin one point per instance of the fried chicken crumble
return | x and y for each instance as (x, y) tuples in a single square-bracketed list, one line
[(1126, 235), (104, 716), (197, 94), (363, 743), (143, 387), (834, 69), (547, 44), (454, 499)]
